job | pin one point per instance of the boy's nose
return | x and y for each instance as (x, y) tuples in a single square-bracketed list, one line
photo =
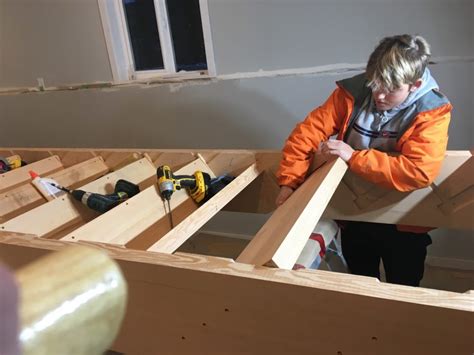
[(380, 95)]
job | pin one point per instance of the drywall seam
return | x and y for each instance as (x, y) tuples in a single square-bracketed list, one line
[(178, 81)]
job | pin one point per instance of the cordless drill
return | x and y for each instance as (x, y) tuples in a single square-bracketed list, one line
[(197, 184), (102, 203), (10, 163)]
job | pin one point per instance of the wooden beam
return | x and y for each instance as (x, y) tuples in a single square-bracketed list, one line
[(280, 241), (190, 225), (182, 303), (54, 216), (138, 215), (20, 176)]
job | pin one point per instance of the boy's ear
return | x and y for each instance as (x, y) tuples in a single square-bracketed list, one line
[(416, 85)]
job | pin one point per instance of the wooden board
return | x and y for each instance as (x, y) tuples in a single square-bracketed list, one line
[(180, 303), (448, 202), (25, 197), (191, 224), (64, 212), (136, 216), (280, 241), (20, 176)]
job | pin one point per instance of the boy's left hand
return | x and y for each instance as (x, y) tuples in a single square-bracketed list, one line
[(336, 147)]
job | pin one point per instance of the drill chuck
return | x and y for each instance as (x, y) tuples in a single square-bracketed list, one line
[(166, 189)]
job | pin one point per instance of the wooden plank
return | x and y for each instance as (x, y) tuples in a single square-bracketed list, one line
[(174, 160), (54, 216), (231, 162), (455, 178), (214, 244), (118, 159), (463, 200), (81, 173), (5, 153), (190, 225), (138, 215), (72, 157), (258, 197), (32, 155), (19, 200), (280, 241), (24, 198), (417, 208), (21, 176), (182, 303)]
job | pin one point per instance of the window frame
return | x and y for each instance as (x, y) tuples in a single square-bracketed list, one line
[(117, 40)]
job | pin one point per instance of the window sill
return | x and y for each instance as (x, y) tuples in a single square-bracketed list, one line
[(176, 78)]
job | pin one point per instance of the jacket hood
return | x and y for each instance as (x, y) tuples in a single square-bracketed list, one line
[(428, 84)]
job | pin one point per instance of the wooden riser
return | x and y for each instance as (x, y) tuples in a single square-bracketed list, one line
[(188, 304)]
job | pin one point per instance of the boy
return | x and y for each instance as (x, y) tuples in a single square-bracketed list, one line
[(395, 106)]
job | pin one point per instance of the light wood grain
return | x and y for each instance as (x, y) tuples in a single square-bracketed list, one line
[(190, 225), (180, 303), (25, 197), (72, 301), (447, 202), (280, 241), (20, 176), (54, 216), (137, 215)]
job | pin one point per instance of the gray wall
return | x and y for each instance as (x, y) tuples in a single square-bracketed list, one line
[(62, 42), (277, 34)]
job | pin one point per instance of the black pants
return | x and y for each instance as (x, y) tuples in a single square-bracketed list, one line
[(402, 253)]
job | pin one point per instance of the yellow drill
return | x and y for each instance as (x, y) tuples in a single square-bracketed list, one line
[(197, 185)]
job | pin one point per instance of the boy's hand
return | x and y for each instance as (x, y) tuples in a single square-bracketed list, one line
[(285, 192), (336, 147)]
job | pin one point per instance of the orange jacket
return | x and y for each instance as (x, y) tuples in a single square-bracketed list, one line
[(422, 146)]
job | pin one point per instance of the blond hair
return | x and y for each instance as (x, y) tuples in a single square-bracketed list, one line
[(397, 60)]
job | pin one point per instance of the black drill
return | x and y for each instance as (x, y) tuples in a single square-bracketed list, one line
[(102, 203)]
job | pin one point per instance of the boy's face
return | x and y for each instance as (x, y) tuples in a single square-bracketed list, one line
[(386, 100)]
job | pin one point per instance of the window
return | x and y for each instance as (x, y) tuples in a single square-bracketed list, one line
[(147, 38)]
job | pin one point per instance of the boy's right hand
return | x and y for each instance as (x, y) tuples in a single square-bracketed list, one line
[(285, 192)]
